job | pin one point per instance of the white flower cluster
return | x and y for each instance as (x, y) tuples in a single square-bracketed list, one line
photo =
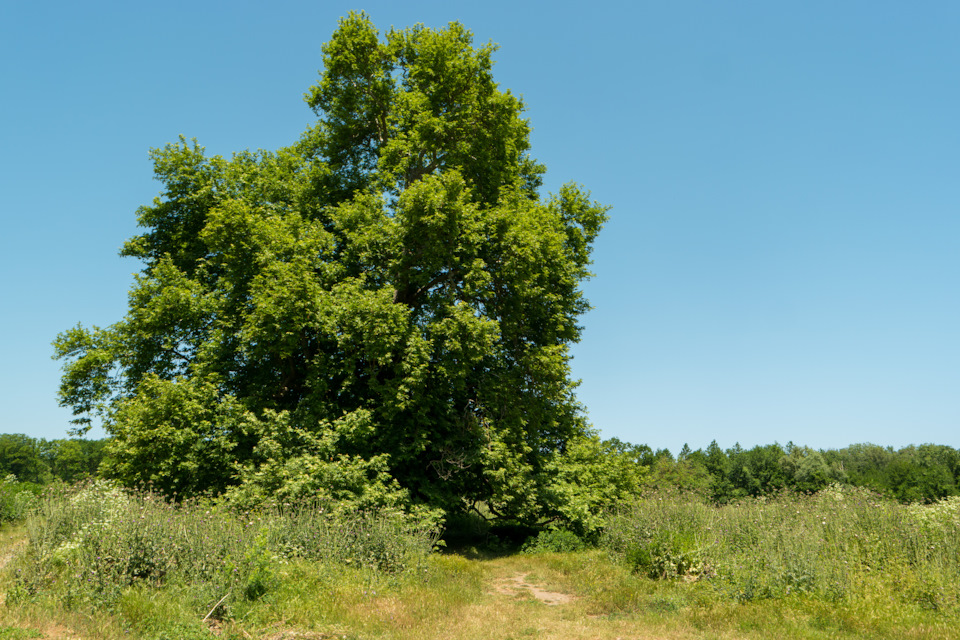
[(945, 513), (96, 506)]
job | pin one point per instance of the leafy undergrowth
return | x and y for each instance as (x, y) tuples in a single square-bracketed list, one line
[(841, 546), (458, 598), (290, 585)]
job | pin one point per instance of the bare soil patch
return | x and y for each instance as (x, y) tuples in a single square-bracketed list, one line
[(518, 585)]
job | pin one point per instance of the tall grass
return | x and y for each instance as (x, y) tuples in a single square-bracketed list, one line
[(104, 563), (16, 498), (839, 545), (90, 545)]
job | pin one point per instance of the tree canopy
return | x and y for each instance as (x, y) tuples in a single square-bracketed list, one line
[(381, 312)]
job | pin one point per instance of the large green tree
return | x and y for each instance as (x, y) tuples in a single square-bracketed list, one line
[(381, 312)]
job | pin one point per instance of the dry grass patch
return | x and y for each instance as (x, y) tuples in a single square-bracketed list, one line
[(518, 585)]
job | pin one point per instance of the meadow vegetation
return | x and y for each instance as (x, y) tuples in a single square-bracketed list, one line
[(344, 380), (16, 498), (846, 546), (93, 560)]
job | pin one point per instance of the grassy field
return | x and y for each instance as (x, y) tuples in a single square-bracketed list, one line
[(843, 564)]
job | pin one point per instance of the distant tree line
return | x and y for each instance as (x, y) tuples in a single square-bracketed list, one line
[(923, 473), (41, 461)]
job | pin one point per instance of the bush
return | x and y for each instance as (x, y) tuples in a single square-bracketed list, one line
[(665, 555), (554, 541), (836, 545), (90, 543), (16, 498), (660, 538)]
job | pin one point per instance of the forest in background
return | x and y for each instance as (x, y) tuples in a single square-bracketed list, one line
[(916, 473), (41, 461), (772, 541), (340, 404)]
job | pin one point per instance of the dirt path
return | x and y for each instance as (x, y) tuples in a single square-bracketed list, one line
[(518, 585), (507, 598), (538, 598)]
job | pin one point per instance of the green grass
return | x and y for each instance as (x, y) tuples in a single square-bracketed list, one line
[(16, 498), (840, 546), (838, 565), (13, 633), (161, 569)]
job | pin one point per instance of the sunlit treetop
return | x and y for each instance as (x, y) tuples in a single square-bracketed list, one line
[(381, 312)]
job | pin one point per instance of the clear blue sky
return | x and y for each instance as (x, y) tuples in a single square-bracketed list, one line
[(783, 253)]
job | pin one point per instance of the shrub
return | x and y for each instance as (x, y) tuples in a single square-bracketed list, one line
[(835, 545), (554, 541), (17, 498), (90, 543), (659, 537)]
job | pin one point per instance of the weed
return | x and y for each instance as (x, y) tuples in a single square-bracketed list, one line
[(13, 633), (97, 547), (843, 564), (826, 545), (16, 499), (554, 541)]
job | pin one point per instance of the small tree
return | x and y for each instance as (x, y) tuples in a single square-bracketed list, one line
[(383, 309)]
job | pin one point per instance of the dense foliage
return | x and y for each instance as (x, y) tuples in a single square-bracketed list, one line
[(841, 545), (923, 473), (379, 314), (596, 474), (91, 545), (41, 461), (841, 563)]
